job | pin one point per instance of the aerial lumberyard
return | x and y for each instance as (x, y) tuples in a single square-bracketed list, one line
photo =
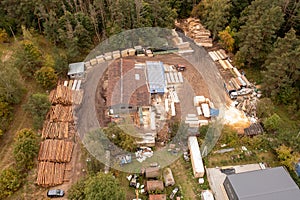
[(161, 99)]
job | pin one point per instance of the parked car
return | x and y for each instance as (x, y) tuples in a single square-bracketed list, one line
[(228, 171), (172, 195), (55, 193)]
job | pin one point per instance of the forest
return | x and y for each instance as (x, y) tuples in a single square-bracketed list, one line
[(38, 38)]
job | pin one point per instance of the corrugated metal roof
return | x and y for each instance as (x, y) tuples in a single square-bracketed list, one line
[(76, 68), (267, 184), (156, 78)]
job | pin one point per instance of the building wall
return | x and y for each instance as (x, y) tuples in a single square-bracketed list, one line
[(229, 190)]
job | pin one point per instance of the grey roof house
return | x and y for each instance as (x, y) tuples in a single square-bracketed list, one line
[(267, 184), (76, 70)]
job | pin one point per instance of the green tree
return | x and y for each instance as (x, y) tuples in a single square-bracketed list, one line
[(227, 38), (10, 181), (25, 149), (38, 105), (265, 108), (103, 186), (46, 77), (272, 123), (214, 14), (120, 138), (76, 192), (262, 19), (282, 75), (28, 59), (11, 89)]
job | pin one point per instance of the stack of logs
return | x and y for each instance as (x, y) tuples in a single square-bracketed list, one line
[(56, 130), (65, 96), (60, 113), (56, 151), (50, 173), (58, 133)]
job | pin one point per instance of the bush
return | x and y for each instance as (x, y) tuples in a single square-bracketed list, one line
[(6, 115), (272, 123), (10, 181), (265, 108), (38, 105), (25, 149)]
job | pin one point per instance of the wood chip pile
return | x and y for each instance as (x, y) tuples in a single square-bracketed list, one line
[(50, 173), (56, 151)]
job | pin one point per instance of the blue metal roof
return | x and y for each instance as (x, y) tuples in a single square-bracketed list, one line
[(156, 77)]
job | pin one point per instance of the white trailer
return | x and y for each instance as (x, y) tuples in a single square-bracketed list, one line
[(205, 109), (196, 158)]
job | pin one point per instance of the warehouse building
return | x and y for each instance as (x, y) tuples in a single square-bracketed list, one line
[(267, 184), (156, 77)]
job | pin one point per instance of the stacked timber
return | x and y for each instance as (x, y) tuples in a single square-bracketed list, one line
[(50, 174), (53, 130), (60, 113), (77, 97), (55, 151), (61, 95)]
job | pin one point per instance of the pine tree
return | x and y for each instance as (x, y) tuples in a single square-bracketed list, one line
[(282, 75), (262, 19)]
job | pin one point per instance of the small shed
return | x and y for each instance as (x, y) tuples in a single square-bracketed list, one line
[(152, 186), (76, 70), (157, 197), (168, 177), (152, 172), (254, 129)]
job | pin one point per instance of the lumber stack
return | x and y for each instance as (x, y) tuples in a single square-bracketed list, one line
[(55, 130), (60, 113), (56, 151), (50, 173), (61, 95)]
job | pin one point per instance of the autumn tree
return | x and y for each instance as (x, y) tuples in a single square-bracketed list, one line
[(282, 75), (10, 182), (286, 156), (46, 76), (227, 38), (262, 19), (25, 149)]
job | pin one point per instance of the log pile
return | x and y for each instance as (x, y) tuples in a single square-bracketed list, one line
[(61, 95), (77, 96), (50, 173), (55, 151), (55, 130), (60, 113)]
